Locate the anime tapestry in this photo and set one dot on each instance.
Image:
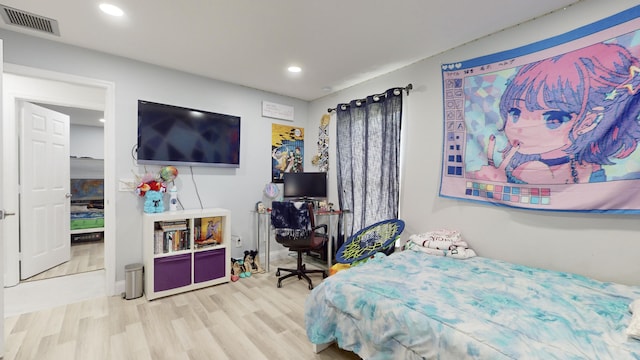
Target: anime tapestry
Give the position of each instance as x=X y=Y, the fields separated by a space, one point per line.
x=287 y=150
x=549 y=126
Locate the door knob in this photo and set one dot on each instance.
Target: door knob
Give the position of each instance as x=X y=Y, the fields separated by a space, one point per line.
x=67 y=195
x=4 y=213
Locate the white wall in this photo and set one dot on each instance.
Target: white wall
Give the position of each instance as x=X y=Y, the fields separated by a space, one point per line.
x=87 y=141
x=605 y=247
x=234 y=189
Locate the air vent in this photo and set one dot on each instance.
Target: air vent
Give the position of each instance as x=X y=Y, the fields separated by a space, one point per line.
x=27 y=20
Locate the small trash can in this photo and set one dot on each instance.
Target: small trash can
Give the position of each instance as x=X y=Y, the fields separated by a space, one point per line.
x=133 y=281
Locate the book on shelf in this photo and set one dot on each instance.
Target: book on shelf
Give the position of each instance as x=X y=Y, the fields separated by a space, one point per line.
x=158 y=241
x=173 y=225
x=175 y=240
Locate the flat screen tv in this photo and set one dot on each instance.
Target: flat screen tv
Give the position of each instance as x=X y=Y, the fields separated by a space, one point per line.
x=305 y=185
x=173 y=135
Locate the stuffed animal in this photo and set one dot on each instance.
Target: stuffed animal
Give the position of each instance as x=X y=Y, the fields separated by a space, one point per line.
x=153 y=202
x=244 y=269
x=236 y=270
x=251 y=262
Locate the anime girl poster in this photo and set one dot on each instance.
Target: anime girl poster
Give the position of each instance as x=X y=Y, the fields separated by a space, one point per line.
x=552 y=129
x=287 y=150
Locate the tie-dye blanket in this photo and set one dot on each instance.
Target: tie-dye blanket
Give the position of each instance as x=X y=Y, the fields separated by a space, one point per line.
x=412 y=305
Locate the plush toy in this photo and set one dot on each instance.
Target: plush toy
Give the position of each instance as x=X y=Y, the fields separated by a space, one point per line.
x=235 y=270
x=151 y=185
x=153 y=202
x=244 y=270
x=251 y=262
x=338 y=267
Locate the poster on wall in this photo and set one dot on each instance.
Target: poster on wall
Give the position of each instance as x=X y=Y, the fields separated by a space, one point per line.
x=287 y=150
x=553 y=125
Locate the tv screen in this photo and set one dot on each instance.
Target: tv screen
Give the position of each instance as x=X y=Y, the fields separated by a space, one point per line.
x=173 y=135
x=305 y=185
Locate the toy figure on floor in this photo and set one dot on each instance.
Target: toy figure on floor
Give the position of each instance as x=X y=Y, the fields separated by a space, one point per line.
x=251 y=262
x=239 y=269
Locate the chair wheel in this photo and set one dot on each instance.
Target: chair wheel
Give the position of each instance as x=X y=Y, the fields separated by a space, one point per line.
x=310 y=287
x=324 y=275
x=278 y=273
x=279 y=285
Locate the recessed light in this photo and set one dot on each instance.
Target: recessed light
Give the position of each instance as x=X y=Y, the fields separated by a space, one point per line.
x=101 y=120
x=111 y=9
x=294 y=69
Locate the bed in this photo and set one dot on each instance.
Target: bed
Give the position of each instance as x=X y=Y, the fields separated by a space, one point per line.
x=412 y=305
x=87 y=209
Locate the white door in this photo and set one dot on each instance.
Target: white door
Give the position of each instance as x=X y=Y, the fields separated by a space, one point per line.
x=44 y=189
x=2 y=204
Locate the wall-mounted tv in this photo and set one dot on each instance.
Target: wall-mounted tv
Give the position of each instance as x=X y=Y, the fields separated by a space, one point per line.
x=305 y=185
x=173 y=135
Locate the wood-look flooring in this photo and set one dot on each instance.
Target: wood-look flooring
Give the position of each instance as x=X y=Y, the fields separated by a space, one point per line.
x=247 y=319
x=85 y=256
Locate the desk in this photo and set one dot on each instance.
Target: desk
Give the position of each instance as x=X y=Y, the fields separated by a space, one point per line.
x=263 y=226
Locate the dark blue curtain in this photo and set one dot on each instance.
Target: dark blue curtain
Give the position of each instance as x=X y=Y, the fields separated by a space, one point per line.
x=368 y=153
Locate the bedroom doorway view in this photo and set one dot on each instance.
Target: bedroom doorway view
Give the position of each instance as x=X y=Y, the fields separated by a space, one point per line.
x=92 y=272
x=86 y=172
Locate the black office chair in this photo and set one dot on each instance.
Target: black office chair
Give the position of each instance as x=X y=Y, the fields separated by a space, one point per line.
x=295 y=228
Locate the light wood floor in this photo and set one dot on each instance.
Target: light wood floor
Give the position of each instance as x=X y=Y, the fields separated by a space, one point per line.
x=85 y=256
x=246 y=320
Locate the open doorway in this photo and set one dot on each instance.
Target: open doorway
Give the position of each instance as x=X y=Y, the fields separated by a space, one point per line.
x=86 y=164
x=41 y=86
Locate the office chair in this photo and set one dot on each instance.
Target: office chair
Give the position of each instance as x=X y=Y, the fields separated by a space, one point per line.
x=295 y=228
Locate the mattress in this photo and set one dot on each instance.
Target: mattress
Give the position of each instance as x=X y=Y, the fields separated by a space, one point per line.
x=412 y=305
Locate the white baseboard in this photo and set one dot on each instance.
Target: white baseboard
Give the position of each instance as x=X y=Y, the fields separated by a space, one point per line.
x=120 y=287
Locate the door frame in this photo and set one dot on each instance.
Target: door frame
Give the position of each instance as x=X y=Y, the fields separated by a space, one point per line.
x=10 y=146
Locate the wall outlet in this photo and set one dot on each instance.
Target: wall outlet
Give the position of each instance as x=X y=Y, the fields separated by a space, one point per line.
x=238 y=241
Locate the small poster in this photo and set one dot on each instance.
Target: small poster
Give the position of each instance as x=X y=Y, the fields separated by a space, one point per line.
x=287 y=151
x=211 y=230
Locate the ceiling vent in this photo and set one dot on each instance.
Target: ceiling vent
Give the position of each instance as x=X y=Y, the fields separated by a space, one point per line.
x=27 y=20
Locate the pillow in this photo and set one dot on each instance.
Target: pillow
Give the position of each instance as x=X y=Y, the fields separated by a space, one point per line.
x=78 y=208
x=633 y=330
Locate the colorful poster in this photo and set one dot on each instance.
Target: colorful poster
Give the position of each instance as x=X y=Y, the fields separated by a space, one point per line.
x=553 y=125
x=211 y=230
x=287 y=150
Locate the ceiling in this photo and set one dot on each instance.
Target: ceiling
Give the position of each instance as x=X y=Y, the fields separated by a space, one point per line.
x=336 y=43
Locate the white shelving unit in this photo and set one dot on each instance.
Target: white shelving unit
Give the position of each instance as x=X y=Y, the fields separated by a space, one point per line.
x=185 y=250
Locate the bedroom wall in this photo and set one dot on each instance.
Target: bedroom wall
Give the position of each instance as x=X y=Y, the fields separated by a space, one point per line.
x=605 y=247
x=234 y=189
x=87 y=141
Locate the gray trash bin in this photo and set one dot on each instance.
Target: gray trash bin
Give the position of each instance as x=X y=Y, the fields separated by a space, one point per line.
x=133 y=281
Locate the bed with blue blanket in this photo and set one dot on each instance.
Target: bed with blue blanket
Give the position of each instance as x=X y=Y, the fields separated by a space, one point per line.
x=412 y=305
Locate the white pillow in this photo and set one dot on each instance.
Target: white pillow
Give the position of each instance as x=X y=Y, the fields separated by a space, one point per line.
x=633 y=330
